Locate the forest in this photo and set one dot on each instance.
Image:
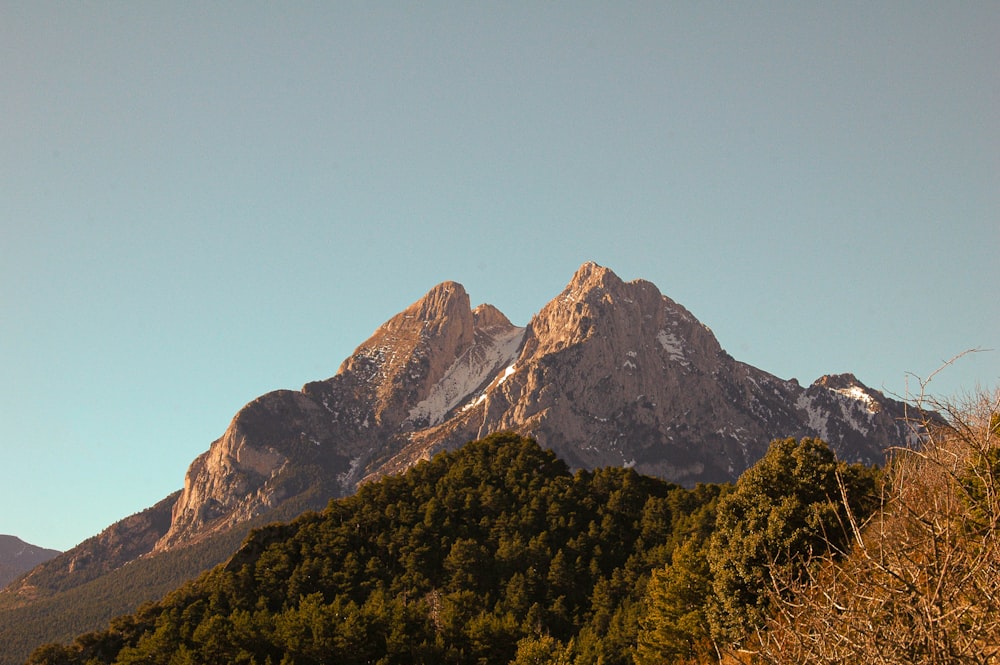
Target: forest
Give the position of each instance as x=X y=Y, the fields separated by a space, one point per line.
x=498 y=553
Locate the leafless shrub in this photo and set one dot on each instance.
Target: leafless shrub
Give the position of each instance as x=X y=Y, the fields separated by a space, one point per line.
x=921 y=580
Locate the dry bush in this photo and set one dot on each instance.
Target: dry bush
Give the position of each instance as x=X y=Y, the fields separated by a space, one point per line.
x=921 y=580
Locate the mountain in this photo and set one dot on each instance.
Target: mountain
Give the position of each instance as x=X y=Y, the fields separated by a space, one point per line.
x=18 y=557
x=609 y=373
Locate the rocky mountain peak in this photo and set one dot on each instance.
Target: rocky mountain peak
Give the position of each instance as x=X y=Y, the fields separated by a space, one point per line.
x=847 y=388
x=413 y=370
x=436 y=309
x=442 y=319
x=838 y=381
x=595 y=283
x=614 y=372
x=488 y=317
x=590 y=276
x=408 y=354
x=630 y=317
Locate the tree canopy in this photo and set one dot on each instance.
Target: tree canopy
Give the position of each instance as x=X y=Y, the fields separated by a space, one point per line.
x=785 y=508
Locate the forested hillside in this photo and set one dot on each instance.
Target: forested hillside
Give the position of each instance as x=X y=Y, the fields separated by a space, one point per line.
x=60 y=606
x=62 y=614
x=495 y=553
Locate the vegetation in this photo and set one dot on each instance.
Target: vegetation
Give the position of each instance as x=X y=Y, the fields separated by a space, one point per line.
x=497 y=554
x=489 y=554
x=713 y=595
x=62 y=606
x=67 y=613
x=921 y=583
x=912 y=578
x=785 y=508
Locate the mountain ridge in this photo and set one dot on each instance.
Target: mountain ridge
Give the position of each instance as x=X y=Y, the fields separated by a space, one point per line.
x=553 y=393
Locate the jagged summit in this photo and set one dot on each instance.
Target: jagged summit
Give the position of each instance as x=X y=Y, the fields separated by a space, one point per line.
x=591 y=275
x=614 y=372
x=597 y=303
x=487 y=317
x=413 y=370
x=839 y=381
x=599 y=286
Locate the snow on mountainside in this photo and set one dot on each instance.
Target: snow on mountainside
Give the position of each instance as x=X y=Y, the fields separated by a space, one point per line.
x=475 y=367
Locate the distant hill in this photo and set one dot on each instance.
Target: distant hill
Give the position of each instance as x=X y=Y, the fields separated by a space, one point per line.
x=18 y=557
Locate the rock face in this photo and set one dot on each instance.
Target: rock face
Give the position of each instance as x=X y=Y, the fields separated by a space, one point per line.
x=607 y=373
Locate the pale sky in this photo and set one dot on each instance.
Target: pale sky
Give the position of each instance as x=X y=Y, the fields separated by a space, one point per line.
x=202 y=202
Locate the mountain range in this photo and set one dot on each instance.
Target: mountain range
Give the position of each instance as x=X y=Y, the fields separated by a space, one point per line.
x=17 y=557
x=608 y=373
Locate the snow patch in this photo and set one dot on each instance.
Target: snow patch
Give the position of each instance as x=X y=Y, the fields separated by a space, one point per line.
x=507 y=372
x=468 y=372
x=673 y=346
x=474 y=403
x=858 y=394
x=347 y=478
x=819 y=420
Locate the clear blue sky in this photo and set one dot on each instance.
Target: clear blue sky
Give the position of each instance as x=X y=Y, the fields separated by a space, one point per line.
x=202 y=202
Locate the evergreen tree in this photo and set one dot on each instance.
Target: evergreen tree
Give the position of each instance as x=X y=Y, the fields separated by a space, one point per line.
x=783 y=510
x=674 y=625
